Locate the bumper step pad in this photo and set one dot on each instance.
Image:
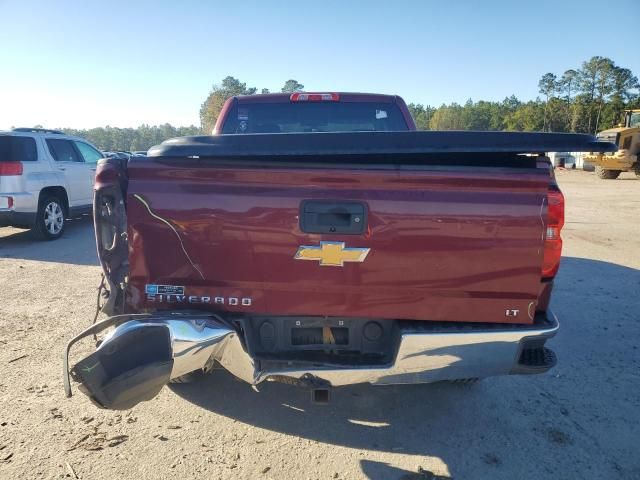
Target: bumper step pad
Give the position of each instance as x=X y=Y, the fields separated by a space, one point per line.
x=537 y=360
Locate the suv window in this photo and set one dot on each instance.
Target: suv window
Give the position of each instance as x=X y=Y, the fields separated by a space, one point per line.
x=90 y=154
x=17 y=149
x=314 y=117
x=63 y=151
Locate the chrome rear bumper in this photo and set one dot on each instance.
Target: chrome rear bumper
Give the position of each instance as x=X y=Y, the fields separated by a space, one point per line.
x=120 y=374
x=429 y=355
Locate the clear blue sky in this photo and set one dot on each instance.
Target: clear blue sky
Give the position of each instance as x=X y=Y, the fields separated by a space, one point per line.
x=123 y=63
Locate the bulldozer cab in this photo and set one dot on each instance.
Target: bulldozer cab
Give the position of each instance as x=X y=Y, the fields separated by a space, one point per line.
x=631 y=118
x=627 y=159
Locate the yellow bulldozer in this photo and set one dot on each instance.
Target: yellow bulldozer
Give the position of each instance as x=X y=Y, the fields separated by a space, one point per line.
x=627 y=159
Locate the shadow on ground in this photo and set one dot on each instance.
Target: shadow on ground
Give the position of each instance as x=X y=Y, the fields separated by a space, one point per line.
x=477 y=431
x=76 y=246
x=383 y=471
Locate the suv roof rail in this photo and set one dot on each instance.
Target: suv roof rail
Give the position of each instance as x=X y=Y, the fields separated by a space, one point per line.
x=37 y=130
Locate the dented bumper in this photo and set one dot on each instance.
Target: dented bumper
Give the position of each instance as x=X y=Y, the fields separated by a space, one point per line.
x=145 y=352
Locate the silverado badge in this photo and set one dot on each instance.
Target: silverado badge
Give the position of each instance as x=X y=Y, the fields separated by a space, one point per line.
x=332 y=254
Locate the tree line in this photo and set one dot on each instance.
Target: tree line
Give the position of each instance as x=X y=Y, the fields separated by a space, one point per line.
x=587 y=99
x=132 y=139
x=145 y=136
x=584 y=100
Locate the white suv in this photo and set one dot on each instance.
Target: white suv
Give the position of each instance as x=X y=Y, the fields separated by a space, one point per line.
x=45 y=177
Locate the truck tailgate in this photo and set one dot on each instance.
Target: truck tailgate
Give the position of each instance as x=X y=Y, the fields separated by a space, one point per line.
x=446 y=243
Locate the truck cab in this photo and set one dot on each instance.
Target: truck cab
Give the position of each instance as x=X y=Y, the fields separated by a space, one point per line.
x=313 y=112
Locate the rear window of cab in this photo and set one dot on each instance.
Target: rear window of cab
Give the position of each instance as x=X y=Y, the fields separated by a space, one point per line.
x=298 y=117
x=14 y=148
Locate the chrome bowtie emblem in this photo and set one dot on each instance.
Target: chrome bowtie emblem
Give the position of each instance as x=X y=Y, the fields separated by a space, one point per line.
x=331 y=254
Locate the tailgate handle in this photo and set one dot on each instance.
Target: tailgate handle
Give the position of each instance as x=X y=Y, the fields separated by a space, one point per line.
x=324 y=216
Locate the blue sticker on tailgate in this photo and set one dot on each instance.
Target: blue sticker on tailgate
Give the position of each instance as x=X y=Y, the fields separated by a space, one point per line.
x=152 y=289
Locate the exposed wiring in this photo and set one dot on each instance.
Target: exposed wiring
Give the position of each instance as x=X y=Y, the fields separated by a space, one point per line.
x=101 y=288
x=166 y=222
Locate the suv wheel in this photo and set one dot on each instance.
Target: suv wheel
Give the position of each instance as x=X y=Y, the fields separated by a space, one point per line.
x=50 y=220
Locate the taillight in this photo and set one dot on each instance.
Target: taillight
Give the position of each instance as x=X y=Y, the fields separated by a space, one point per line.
x=10 y=168
x=314 y=97
x=552 y=239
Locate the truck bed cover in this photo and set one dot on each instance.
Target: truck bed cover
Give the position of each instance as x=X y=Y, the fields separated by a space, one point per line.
x=376 y=143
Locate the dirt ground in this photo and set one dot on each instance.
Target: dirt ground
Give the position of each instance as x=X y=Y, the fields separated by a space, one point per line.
x=581 y=420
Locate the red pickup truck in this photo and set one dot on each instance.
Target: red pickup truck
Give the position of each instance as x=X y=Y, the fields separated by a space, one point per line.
x=316 y=239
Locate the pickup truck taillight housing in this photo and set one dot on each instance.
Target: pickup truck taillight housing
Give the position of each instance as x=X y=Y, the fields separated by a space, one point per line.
x=552 y=239
x=110 y=223
x=10 y=169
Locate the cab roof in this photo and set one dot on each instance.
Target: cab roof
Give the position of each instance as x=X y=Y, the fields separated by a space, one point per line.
x=343 y=97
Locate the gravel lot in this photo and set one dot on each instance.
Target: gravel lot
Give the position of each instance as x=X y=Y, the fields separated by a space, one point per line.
x=581 y=420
